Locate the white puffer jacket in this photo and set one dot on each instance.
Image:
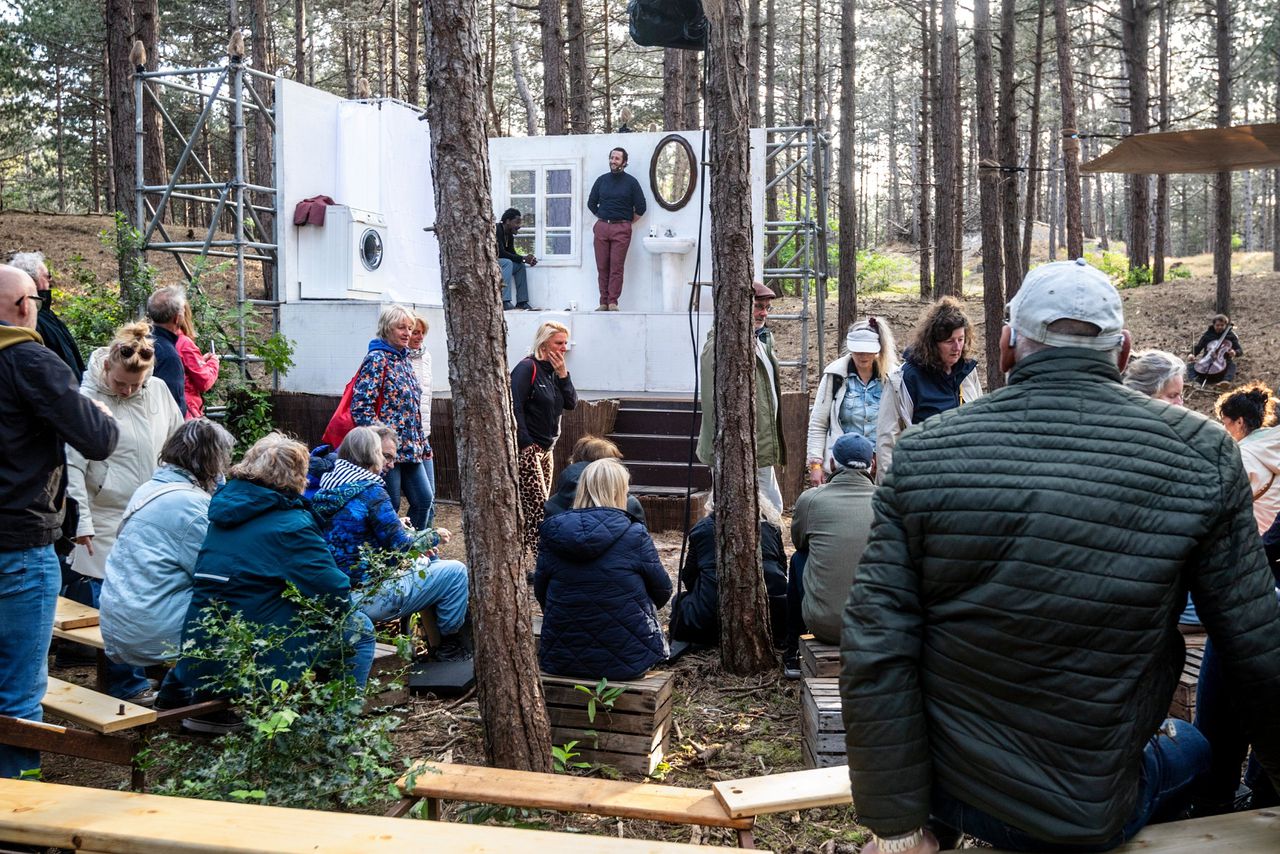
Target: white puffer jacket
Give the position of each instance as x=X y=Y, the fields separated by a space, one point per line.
x=103 y=489
x=1260 y=453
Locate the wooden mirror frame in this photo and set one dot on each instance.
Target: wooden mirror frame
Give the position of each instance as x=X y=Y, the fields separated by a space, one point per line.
x=693 y=172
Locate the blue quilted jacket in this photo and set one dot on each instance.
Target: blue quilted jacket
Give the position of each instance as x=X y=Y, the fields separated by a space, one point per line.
x=600 y=583
x=354 y=510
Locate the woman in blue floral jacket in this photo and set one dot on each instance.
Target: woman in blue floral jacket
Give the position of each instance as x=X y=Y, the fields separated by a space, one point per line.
x=387 y=392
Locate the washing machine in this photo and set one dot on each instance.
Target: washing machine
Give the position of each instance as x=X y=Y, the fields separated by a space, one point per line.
x=345 y=258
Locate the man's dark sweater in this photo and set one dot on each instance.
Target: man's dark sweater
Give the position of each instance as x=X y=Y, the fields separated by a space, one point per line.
x=169 y=365
x=507 y=245
x=616 y=196
x=60 y=340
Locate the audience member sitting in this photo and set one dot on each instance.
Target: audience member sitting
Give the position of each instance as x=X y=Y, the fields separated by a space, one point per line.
x=355 y=511
x=1249 y=415
x=695 y=613
x=263 y=540
x=319 y=464
x=829 y=530
x=1221 y=347
x=149 y=572
x=586 y=450
x=1157 y=374
x=600 y=582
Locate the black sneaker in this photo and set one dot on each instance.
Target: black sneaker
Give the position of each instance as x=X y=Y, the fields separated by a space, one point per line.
x=791 y=665
x=524 y=306
x=451 y=648
x=216 y=723
x=506 y=306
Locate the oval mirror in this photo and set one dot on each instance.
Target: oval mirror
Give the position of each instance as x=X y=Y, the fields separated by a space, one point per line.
x=673 y=172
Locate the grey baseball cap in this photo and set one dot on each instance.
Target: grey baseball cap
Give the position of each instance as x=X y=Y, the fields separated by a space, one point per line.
x=1068 y=290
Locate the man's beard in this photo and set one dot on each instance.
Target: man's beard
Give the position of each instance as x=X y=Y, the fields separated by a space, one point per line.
x=46 y=299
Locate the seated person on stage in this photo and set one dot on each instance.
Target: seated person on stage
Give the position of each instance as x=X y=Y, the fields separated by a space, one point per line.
x=149 y=572
x=829 y=530
x=599 y=582
x=355 y=510
x=586 y=450
x=262 y=539
x=695 y=613
x=513 y=265
x=1214 y=359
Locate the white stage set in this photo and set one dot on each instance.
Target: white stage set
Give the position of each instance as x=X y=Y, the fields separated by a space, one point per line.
x=373 y=159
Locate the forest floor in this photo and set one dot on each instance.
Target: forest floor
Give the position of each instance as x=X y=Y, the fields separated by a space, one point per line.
x=726 y=727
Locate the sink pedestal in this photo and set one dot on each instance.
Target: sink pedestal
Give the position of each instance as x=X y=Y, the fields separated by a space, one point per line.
x=672 y=293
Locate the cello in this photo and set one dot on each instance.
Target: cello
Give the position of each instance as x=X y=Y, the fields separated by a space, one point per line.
x=1214 y=360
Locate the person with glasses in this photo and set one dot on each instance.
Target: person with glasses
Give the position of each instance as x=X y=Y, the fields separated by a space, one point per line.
x=57 y=337
x=40 y=411
x=355 y=511
x=1157 y=374
x=119 y=376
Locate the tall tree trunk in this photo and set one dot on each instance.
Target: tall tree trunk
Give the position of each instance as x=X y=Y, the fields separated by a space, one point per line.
x=579 y=83
x=95 y=161
x=263 y=168
x=928 y=15
x=1135 y=29
x=1055 y=190
x=395 y=48
x=770 y=115
x=989 y=191
x=1161 y=242
x=119 y=24
x=555 y=112
x=947 y=120
x=753 y=62
x=57 y=138
x=146 y=22
x=744 y=617
x=1222 y=182
x=1009 y=152
x=1070 y=135
x=1275 y=175
x=672 y=89
x=299 y=40
x=1033 y=152
x=607 y=67
x=818 y=90
x=516 y=731
x=413 y=69
x=847 y=275
x=692 y=70
x=894 y=214
x=517 y=73
x=348 y=62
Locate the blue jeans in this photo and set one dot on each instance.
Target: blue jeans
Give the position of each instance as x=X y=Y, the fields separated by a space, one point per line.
x=1169 y=766
x=122 y=680
x=1221 y=719
x=29 y=580
x=514 y=272
x=412 y=479
x=358 y=632
x=795 y=598
x=442 y=583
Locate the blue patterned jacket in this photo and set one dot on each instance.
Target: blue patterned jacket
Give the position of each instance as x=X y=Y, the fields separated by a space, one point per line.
x=387 y=391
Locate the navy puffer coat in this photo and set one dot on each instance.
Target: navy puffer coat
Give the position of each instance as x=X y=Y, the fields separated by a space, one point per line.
x=599 y=582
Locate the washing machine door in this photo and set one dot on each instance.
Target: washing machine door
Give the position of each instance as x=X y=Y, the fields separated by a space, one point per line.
x=370 y=247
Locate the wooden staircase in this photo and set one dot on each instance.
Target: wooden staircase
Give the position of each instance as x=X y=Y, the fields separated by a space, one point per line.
x=657 y=438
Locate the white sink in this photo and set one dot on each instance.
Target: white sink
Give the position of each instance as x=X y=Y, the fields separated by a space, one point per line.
x=668 y=245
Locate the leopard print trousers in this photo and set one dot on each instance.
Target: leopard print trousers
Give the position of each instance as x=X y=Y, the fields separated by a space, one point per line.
x=534 y=488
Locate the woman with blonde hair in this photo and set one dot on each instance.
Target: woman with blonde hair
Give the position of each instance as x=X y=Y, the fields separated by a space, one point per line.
x=200 y=370
x=120 y=377
x=586 y=450
x=600 y=584
x=387 y=392
x=263 y=541
x=541 y=391
x=936 y=374
x=849 y=393
x=420 y=359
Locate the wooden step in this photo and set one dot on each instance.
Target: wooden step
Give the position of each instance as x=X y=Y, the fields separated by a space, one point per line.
x=657 y=403
x=648 y=446
x=92 y=710
x=659 y=422
x=645 y=473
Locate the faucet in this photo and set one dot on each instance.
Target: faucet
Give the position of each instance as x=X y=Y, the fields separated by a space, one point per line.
x=669 y=233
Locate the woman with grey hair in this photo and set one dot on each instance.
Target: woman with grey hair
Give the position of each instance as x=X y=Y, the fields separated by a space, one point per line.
x=387 y=391
x=149 y=571
x=57 y=337
x=1157 y=374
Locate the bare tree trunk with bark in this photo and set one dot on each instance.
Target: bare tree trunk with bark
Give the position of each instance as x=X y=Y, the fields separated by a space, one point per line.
x=744 y=619
x=413 y=69
x=579 y=83
x=672 y=89
x=516 y=730
x=555 y=111
x=517 y=73
x=146 y=22
x=120 y=104
x=691 y=68
x=299 y=40
x=989 y=190
x=1033 y=153
x=1275 y=175
x=847 y=275
x=262 y=168
x=947 y=159
x=1070 y=135
x=1161 y=242
x=1008 y=146
x=1135 y=29
x=927 y=16
x=753 y=62
x=1222 y=181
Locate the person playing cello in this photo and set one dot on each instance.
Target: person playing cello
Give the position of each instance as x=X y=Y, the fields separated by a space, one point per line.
x=1214 y=359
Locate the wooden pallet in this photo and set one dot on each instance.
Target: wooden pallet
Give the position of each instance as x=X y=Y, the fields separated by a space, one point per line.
x=818 y=660
x=633 y=736
x=1184 y=696
x=821 y=726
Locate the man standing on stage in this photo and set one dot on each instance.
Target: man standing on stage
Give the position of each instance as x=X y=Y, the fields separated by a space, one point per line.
x=617 y=201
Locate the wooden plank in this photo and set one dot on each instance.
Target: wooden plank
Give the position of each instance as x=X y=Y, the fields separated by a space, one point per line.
x=90 y=709
x=51 y=738
x=794 y=790
x=642 y=695
x=73 y=615
x=818 y=660
x=130 y=823
x=86 y=635
x=616 y=741
x=618 y=798
x=635 y=723
x=1253 y=832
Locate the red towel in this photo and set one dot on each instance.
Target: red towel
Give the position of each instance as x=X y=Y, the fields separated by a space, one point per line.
x=311 y=211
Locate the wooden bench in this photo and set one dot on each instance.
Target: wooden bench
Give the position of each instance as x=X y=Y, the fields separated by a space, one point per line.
x=1184 y=696
x=73 y=615
x=92 y=710
x=821 y=724
x=792 y=790
x=437 y=781
x=818 y=660
x=1253 y=832
x=111 y=822
x=632 y=736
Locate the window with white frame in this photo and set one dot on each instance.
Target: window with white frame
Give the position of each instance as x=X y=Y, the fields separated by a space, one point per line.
x=547 y=196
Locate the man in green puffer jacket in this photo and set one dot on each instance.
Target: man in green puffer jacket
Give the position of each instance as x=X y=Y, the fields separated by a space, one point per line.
x=1010 y=643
